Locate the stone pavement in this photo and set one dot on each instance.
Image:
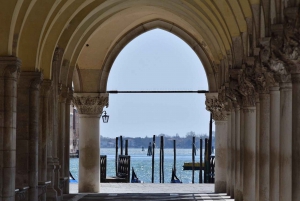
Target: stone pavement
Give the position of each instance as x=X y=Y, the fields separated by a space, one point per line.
x=148 y=191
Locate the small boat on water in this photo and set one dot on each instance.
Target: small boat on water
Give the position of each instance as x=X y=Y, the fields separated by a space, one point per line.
x=174 y=178
x=134 y=178
x=189 y=166
x=71 y=178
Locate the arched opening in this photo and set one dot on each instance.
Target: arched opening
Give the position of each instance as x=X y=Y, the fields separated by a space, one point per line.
x=156 y=60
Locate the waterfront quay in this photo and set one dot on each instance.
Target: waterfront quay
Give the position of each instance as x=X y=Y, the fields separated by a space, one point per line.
x=148 y=191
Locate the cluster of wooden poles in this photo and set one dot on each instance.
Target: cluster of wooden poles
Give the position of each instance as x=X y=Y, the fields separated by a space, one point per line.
x=207 y=165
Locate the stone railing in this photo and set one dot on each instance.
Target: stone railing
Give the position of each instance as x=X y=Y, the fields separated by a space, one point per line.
x=21 y=193
x=42 y=186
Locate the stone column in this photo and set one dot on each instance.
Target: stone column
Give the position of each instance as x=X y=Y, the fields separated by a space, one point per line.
x=295 y=136
x=242 y=134
x=285 y=184
x=51 y=192
x=232 y=161
x=9 y=72
x=249 y=153
x=43 y=132
x=264 y=147
x=67 y=140
x=228 y=139
x=238 y=189
x=257 y=148
x=274 y=142
x=28 y=132
x=90 y=106
x=218 y=113
x=61 y=128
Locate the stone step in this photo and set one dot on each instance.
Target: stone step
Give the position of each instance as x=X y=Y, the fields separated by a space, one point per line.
x=147 y=196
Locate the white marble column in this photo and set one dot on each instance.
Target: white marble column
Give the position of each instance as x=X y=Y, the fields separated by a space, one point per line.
x=295 y=136
x=218 y=114
x=264 y=148
x=285 y=184
x=90 y=106
x=238 y=189
x=228 y=138
x=232 y=161
x=249 y=153
x=28 y=132
x=274 y=142
x=9 y=71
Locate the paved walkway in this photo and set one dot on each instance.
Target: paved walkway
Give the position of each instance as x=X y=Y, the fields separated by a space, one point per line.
x=148 y=191
x=149 y=188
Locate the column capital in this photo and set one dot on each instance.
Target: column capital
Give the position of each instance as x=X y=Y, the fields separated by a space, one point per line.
x=70 y=96
x=45 y=87
x=90 y=103
x=30 y=79
x=63 y=93
x=10 y=67
x=216 y=107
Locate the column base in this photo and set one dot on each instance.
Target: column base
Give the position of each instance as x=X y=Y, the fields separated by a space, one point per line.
x=51 y=194
x=220 y=186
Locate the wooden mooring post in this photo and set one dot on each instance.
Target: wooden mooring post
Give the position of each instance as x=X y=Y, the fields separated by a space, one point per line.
x=121 y=144
x=161 y=161
x=193 y=160
x=126 y=147
x=116 y=159
x=174 y=150
x=201 y=162
x=153 y=151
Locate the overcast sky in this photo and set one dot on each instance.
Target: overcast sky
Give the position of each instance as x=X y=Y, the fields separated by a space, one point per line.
x=156 y=60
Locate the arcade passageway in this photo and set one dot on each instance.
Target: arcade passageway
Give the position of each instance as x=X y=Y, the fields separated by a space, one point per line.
x=249 y=50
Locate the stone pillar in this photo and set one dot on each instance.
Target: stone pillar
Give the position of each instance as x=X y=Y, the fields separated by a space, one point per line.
x=228 y=139
x=51 y=192
x=28 y=132
x=9 y=72
x=90 y=106
x=67 y=140
x=257 y=148
x=249 y=153
x=43 y=132
x=61 y=128
x=232 y=161
x=238 y=189
x=285 y=184
x=218 y=113
x=242 y=134
x=264 y=148
x=220 y=156
x=274 y=142
x=295 y=136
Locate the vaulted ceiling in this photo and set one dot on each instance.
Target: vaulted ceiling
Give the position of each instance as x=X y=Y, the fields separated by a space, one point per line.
x=92 y=33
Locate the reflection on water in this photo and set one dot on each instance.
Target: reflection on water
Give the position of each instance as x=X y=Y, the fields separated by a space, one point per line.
x=142 y=164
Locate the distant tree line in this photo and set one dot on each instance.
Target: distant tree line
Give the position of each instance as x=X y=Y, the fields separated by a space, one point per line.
x=139 y=142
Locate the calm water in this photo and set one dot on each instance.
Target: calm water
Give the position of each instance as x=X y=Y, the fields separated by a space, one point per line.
x=142 y=164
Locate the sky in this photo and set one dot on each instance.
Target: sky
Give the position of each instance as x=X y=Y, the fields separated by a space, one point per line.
x=156 y=60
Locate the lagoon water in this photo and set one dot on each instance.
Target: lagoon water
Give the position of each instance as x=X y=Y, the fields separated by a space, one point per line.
x=142 y=164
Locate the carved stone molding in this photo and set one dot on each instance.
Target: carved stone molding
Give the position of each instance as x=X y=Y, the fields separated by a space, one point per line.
x=70 y=96
x=247 y=91
x=90 y=103
x=63 y=93
x=30 y=79
x=215 y=106
x=10 y=67
x=45 y=88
